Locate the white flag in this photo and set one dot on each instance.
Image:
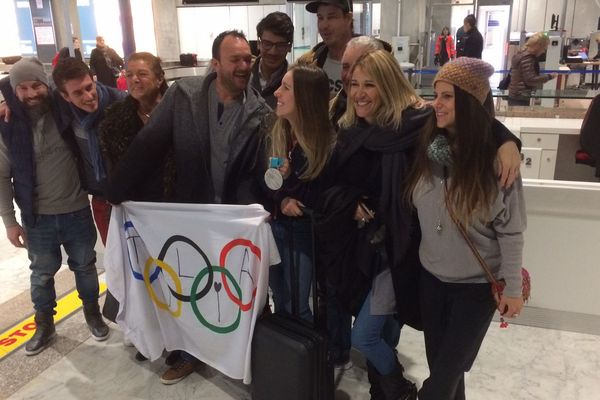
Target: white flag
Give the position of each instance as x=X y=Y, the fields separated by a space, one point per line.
x=191 y=277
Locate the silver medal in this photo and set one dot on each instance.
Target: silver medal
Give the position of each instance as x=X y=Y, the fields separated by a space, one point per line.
x=273 y=179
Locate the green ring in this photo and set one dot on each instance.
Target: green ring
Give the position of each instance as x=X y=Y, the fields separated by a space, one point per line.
x=203 y=321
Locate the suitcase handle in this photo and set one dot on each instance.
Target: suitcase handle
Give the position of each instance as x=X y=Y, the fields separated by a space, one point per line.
x=295 y=274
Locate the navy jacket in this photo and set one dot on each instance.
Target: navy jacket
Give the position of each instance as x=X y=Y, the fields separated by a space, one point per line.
x=17 y=135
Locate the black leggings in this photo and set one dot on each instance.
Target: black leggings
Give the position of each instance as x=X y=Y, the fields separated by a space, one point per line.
x=456 y=317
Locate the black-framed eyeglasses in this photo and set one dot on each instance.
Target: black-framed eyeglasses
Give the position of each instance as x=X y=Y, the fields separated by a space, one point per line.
x=279 y=46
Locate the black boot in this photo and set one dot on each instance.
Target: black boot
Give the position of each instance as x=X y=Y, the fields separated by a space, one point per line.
x=375 y=381
x=94 y=320
x=396 y=387
x=44 y=333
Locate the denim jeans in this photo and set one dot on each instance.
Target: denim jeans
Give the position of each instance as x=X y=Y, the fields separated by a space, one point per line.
x=279 y=275
x=77 y=234
x=376 y=336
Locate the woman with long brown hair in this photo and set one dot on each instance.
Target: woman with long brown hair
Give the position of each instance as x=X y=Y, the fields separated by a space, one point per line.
x=303 y=139
x=454 y=186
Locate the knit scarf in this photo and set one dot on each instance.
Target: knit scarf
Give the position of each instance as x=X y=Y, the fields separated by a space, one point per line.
x=439 y=151
x=90 y=122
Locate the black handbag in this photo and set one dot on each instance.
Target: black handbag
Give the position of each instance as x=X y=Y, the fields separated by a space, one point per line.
x=504 y=83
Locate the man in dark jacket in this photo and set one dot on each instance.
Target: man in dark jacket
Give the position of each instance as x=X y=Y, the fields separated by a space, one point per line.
x=470 y=43
x=105 y=63
x=334 y=21
x=212 y=123
x=275 y=34
x=38 y=166
x=86 y=102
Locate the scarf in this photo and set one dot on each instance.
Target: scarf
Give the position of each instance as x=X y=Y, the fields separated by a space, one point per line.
x=90 y=122
x=439 y=151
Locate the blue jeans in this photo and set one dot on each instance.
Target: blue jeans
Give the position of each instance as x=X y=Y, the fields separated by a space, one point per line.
x=77 y=234
x=279 y=275
x=376 y=336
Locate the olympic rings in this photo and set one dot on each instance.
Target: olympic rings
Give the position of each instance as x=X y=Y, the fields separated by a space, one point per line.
x=217 y=329
x=223 y=257
x=177 y=293
x=167 y=268
x=136 y=275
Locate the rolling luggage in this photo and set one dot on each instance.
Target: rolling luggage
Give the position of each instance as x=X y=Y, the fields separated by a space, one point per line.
x=289 y=355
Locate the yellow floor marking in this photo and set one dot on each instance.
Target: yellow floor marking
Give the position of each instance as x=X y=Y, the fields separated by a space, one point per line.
x=15 y=337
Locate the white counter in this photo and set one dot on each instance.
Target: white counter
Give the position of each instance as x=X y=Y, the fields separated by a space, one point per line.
x=562 y=245
x=562 y=126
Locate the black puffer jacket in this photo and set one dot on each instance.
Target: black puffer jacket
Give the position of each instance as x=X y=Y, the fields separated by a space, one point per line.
x=525 y=75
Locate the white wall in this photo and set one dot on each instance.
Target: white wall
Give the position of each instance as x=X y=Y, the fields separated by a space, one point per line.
x=581 y=17
x=9 y=45
x=198 y=26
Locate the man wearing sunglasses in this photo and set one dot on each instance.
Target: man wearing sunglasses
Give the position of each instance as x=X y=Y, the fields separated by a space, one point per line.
x=275 y=34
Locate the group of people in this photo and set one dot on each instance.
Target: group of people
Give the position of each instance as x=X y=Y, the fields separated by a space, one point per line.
x=469 y=42
x=390 y=180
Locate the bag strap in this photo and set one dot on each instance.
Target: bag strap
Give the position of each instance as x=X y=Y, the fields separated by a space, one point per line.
x=490 y=277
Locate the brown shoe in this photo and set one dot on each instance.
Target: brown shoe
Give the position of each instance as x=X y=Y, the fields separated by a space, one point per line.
x=177 y=372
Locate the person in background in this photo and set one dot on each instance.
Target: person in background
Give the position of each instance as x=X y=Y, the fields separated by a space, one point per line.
x=597 y=56
x=334 y=21
x=216 y=148
x=275 y=34
x=105 y=63
x=471 y=41
x=589 y=136
x=39 y=169
x=525 y=70
x=455 y=174
x=444 y=48
x=65 y=52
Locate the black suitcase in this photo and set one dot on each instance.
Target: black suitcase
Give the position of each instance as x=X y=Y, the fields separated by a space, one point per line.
x=289 y=355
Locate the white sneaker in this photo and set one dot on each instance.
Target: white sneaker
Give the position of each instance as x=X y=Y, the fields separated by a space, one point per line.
x=344 y=366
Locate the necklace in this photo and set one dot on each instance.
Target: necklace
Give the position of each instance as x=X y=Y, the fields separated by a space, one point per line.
x=143 y=114
x=439 y=227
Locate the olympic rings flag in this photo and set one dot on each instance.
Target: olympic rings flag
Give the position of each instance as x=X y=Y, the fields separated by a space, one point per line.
x=192 y=277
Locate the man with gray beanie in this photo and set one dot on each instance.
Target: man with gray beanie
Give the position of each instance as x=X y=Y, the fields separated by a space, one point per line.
x=40 y=170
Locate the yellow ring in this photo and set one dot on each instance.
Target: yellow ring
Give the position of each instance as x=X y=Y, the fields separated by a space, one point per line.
x=166 y=268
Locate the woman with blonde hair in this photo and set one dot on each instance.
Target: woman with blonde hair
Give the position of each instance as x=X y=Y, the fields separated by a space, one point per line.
x=368 y=237
x=300 y=144
x=525 y=70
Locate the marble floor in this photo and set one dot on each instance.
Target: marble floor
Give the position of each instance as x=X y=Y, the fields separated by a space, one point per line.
x=520 y=362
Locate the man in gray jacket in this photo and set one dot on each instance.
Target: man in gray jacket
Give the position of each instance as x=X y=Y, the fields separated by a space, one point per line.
x=213 y=125
x=38 y=168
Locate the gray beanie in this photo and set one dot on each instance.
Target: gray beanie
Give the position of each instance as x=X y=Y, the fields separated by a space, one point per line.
x=27 y=69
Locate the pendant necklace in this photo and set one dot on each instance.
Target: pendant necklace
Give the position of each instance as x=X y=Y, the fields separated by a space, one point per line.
x=439 y=227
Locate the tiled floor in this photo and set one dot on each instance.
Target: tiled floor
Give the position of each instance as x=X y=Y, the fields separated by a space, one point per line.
x=515 y=363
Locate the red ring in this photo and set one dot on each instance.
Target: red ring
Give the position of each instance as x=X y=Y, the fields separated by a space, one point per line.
x=226 y=249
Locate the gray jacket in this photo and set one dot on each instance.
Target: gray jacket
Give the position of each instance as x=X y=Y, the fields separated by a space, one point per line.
x=180 y=122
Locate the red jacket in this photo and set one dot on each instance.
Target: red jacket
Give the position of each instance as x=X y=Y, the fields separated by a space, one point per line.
x=449 y=46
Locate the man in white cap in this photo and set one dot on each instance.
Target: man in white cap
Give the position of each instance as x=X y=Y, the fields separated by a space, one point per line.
x=39 y=168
